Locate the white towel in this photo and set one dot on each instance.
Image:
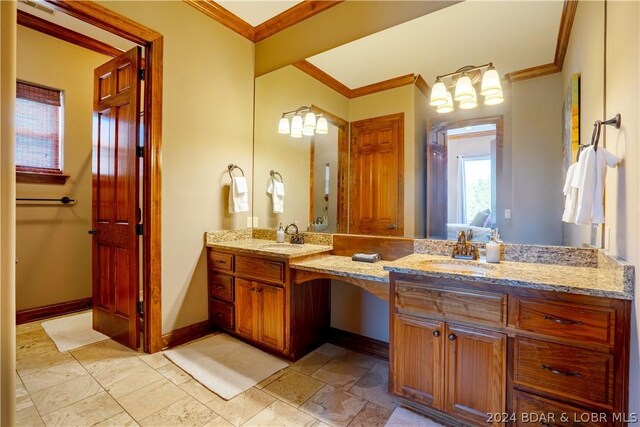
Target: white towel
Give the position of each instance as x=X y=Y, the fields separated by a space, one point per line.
x=571 y=195
x=586 y=184
x=276 y=190
x=238 y=195
x=603 y=159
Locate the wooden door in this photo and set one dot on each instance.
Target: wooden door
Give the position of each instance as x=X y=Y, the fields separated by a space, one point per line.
x=115 y=255
x=376 y=176
x=475 y=373
x=271 y=308
x=416 y=360
x=245 y=308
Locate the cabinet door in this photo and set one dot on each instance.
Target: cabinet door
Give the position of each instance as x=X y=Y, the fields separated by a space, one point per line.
x=271 y=315
x=475 y=372
x=416 y=366
x=245 y=309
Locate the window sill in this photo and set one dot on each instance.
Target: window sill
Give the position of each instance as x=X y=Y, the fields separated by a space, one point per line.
x=23 y=177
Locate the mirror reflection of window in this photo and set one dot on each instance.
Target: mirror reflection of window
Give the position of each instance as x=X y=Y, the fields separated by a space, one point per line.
x=324 y=189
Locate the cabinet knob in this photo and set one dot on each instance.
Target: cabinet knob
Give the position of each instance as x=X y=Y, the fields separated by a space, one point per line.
x=93 y=231
x=451 y=337
x=436 y=333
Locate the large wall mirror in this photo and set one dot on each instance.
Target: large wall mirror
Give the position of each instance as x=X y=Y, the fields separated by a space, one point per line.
x=491 y=166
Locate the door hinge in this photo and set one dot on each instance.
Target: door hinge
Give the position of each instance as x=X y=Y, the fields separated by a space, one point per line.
x=140 y=151
x=140 y=308
x=141 y=74
x=139 y=229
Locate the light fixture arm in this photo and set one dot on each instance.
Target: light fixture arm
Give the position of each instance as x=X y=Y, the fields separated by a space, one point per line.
x=465 y=69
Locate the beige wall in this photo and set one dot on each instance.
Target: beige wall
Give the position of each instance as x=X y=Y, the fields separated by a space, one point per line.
x=622 y=196
x=53 y=247
x=207 y=124
x=585 y=55
x=284 y=90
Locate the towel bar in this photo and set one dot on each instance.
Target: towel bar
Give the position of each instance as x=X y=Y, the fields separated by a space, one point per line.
x=274 y=173
x=231 y=167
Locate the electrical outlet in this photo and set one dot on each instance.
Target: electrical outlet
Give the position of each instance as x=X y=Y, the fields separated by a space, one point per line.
x=607 y=238
x=249 y=222
x=255 y=222
x=507 y=214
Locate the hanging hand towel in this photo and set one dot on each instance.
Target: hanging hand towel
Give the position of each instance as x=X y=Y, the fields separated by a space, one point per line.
x=276 y=189
x=571 y=195
x=238 y=195
x=603 y=159
x=586 y=184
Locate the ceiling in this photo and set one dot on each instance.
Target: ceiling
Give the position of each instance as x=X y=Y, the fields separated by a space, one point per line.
x=255 y=12
x=512 y=34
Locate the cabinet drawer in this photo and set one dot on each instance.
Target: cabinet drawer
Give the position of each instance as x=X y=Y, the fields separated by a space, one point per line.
x=567 y=320
x=532 y=410
x=220 y=261
x=431 y=299
x=221 y=287
x=221 y=314
x=260 y=269
x=581 y=375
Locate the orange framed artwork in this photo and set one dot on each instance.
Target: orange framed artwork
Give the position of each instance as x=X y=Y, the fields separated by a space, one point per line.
x=571 y=120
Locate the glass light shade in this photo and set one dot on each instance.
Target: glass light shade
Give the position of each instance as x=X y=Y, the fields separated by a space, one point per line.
x=296 y=125
x=438 y=94
x=470 y=103
x=322 y=126
x=308 y=131
x=494 y=99
x=490 y=83
x=448 y=107
x=464 y=89
x=283 y=126
x=310 y=121
x=296 y=133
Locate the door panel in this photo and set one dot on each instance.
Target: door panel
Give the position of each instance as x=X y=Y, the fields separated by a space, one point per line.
x=376 y=183
x=244 y=307
x=272 y=312
x=475 y=372
x=115 y=167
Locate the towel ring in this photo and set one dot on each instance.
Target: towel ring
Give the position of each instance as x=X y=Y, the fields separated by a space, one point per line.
x=231 y=167
x=274 y=174
x=597 y=125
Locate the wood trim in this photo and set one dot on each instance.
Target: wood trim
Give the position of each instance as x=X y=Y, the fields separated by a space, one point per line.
x=292 y=16
x=358 y=343
x=38 y=24
x=383 y=85
x=389 y=248
x=104 y=18
x=185 y=334
x=52 y=310
x=323 y=77
x=223 y=16
x=533 y=72
x=377 y=288
x=24 y=177
x=423 y=85
x=564 y=33
x=478 y=134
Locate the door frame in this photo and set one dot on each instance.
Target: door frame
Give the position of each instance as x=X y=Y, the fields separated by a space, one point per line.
x=152 y=42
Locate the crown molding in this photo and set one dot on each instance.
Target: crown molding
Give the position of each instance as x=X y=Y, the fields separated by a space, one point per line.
x=292 y=16
x=220 y=14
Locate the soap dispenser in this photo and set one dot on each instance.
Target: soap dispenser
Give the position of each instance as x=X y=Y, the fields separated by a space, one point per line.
x=494 y=247
x=280 y=234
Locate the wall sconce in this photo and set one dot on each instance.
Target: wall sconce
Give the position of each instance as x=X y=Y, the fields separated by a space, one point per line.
x=462 y=81
x=304 y=122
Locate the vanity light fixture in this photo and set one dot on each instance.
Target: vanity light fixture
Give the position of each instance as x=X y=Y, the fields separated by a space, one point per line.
x=462 y=82
x=304 y=122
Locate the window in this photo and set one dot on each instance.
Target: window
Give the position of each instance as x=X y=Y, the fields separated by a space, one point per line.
x=477 y=186
x=38 y=130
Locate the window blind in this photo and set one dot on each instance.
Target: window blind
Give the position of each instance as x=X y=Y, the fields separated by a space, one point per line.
x=38 y=111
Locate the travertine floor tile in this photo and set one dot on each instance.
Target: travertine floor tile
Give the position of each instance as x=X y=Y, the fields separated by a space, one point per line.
x=281 y=414
x=265 y=382
x=381 y=367
x=120 y=420
x=242 y=407
x=330 y=350
x=28 y=365
x=374 y=388
x=150 y=399
x=86 y=412
x=174 y=374
x=294 y=388
x=23 y=400
x=155 y=360
x=126 y=377
x=32 y=344
x=218 y=422
x=28 y=327
x=28 y=417
x=41 y=379
x=333 y=406
x=185 y=412
x=198 y=391
x=100 y=351
x=311 y=363
x=339 y=374
x=358 y=359
x=371 y=415
x=61 y=395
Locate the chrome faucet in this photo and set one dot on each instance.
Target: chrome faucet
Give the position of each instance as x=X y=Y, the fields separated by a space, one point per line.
x=296 y=237
x=463 y=249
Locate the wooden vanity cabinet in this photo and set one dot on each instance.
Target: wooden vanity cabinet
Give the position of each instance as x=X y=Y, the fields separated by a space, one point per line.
x=251 y=297
x=462 y=350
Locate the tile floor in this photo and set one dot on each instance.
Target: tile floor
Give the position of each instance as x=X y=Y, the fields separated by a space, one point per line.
x=107 y=384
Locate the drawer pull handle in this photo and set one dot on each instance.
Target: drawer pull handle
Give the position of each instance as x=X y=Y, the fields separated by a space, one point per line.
x=563 y=321
x=436 y=334
x=219 y=261
x=451 y=337
x=557 y=372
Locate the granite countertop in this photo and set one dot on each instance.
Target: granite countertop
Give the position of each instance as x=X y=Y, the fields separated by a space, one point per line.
x=611 y=282
x=345 y=267
x=270 y=248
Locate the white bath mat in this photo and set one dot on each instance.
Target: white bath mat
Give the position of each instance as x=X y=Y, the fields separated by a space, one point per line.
x=73 y=331
x=402 y=417
x=224 y=364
